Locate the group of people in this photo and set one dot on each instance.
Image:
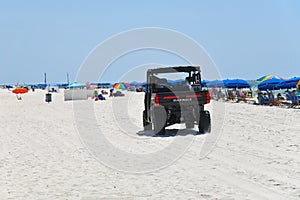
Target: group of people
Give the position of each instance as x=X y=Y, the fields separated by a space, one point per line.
x=267 y=98
x=230 y=95
x=99 y=96
x=290 y=98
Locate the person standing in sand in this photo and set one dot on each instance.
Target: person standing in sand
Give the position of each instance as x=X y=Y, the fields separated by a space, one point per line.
x=111 y=92
x=298 y=89
x=95 y=93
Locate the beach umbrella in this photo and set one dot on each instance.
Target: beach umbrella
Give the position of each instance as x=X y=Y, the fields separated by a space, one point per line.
x=174 y=82
x=63 y=85
x=55 y=85
x=20 y=91
x=204 y=83
x=122 y=85
x=137 y=84
x=236 y=83
x=76 y=85
x=268 y=77
x=215 y=84
x=9 y=86
x=126 y=84
x=271 y=84
x=42 y=85
x=288 y=84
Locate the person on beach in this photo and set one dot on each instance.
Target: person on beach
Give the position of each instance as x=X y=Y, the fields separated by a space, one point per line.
x=265 y=99
x=250 y=93
x=95 y=94
x=101 y=97
x=259 y=98
x=294 y=100
x=271 y=98
x=298 y=90
x=111 y=92
x=279 y=96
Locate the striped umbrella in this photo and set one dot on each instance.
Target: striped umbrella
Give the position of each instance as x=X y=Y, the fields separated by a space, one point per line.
x=268 y=77
x=122 y=85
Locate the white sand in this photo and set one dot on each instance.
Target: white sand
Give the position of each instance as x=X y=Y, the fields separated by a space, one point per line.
x=42 y=157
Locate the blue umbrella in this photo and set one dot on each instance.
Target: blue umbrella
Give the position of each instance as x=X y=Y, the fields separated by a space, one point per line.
x=204 y=83
x=41 y=85
x=9 y=86
x=174 y=82
x=138 y=84
x=270 y=84
x=215 y=84
x=288 y=84
x=63 y=85
x=77 y=85
x=55 y=85
x=236 y=83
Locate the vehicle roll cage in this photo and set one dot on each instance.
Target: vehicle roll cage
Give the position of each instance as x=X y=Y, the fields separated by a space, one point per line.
x=194 y=77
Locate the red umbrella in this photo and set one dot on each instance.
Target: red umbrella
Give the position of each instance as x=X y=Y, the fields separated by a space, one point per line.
x=20 y=91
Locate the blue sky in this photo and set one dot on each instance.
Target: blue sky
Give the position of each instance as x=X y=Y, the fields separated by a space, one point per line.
x=246 y=39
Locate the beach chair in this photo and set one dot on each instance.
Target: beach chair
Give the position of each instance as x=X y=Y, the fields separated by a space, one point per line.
x=264 y=100
x=288 y=100
x=295 y=102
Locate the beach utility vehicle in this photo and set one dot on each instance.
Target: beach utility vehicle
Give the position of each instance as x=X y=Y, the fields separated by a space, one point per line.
x=168 y=101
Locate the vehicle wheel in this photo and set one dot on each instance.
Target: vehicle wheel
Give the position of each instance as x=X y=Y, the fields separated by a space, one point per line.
x=204 y=123
x=147 y=126
x=159 y=121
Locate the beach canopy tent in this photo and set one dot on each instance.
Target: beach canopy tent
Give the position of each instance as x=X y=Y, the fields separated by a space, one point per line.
x=76 y=85
x=215 y=84
x=288 y=84
x=268 y=77
x=236 y=83
x=270 y=84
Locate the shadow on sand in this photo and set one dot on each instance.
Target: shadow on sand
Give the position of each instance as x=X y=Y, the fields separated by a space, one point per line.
x=170 y=133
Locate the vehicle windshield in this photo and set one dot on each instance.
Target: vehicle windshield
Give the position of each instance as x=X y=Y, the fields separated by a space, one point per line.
x=180 y=81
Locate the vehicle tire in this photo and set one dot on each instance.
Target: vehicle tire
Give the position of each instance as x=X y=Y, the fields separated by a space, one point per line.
x=147 y=125
x=204 y=122
x=159 y=120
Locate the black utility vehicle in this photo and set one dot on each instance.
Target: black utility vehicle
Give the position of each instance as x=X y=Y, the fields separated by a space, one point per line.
x=168 y=102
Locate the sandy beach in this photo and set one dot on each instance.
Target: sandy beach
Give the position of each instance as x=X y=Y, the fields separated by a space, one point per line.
x=42 y=156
